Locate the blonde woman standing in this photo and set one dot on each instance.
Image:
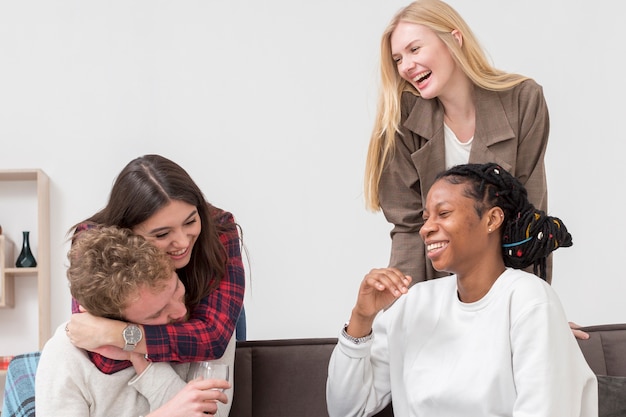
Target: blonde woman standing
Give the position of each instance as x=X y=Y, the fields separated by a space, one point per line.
x=442 y=104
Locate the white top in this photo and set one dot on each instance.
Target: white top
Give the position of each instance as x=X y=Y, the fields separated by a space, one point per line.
x=511 y=353
x=456 y=152
x=68 y=384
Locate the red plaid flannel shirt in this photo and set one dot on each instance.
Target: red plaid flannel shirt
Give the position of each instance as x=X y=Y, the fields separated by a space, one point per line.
x=211 y=324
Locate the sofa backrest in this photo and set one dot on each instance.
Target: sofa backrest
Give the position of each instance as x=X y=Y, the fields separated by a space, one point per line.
x=283 y=378
x=605 y=350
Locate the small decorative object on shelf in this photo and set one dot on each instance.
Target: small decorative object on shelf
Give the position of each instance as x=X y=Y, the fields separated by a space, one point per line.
x=26 y=258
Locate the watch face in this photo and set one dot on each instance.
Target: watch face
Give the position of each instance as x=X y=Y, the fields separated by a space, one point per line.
x=132 y=334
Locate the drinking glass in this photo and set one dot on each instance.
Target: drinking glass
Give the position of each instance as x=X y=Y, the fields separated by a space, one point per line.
x=208 y=370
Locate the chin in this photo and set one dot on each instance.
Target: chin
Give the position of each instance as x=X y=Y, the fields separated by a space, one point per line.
x=440 y=267
x=181 y=263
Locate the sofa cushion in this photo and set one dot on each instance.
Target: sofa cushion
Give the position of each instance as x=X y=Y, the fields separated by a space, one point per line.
x=612 y=396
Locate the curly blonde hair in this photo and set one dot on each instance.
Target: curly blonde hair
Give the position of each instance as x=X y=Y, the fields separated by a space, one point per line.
x=108 y=266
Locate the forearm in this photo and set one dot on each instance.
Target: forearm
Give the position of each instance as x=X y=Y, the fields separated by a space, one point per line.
x=359 y=325
x=350 y=389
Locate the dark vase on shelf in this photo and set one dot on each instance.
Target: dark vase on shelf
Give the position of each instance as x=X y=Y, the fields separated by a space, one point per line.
x=26 y=258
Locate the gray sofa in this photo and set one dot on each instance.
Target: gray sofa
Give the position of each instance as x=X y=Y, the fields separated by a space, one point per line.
x=287 y=378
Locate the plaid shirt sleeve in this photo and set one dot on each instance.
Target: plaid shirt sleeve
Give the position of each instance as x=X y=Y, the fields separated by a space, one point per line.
x=211 y=324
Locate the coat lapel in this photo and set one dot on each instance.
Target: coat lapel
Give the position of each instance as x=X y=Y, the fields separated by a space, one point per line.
x=429 y=160
x=492 y=127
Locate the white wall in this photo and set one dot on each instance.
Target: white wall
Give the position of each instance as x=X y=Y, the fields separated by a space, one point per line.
x=269 y=105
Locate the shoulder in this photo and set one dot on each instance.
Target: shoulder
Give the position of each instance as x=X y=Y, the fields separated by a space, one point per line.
x=58 y=349
x=527 y=290
x=526 y=92
x=221 y=217
x=60 y=341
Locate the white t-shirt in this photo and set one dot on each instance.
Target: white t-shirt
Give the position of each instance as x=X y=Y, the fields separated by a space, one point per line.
x=456 y=152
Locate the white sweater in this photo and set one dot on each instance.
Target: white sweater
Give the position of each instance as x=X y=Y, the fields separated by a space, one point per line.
x=68 y=384
x=511 y=353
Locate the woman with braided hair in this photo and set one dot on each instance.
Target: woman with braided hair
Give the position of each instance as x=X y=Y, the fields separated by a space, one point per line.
x=489 y=340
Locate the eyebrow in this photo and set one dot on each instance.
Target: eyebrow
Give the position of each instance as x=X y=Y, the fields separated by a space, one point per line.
x=405 y=48
x=160 y=229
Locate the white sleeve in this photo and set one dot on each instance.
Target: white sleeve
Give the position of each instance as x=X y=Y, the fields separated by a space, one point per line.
x=358 y=375
x=551 y=375
x=158 y=383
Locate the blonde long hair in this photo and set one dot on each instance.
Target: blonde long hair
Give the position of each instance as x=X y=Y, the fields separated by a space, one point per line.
x=442 y=19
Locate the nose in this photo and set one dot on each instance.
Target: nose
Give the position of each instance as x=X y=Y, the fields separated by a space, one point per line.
x=406 y=66
x=426 y=229
x=179 y=238
x=179 y=311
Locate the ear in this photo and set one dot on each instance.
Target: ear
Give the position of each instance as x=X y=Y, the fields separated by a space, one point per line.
x=457 y=36
x=495 y=218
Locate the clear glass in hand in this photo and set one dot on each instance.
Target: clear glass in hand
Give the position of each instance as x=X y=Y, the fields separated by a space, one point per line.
x=208 y=370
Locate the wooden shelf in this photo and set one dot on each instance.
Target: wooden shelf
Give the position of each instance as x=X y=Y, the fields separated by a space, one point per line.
x=7 y=286
x=8 y=271
x=21 y=271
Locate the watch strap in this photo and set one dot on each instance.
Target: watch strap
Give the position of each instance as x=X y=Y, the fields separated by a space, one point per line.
x=355 y=340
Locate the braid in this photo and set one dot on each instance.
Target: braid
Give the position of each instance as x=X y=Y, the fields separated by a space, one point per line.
x=529 y=235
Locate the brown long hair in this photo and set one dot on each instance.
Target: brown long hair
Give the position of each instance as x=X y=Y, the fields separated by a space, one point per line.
x=143 y=187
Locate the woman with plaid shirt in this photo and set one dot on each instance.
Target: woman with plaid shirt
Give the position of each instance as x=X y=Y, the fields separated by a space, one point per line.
x=157 y=199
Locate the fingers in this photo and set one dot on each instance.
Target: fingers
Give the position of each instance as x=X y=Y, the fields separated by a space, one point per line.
x=388 y=279
x=211 y=389
x=578 y=334
x=379 y=289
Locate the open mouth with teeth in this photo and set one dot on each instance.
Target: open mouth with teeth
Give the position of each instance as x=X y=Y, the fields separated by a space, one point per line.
x=434 y=246
x=423 y=76
x=178 y=253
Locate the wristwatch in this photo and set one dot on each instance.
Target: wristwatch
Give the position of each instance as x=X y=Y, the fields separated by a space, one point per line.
x=132 y=336
x=355 y=340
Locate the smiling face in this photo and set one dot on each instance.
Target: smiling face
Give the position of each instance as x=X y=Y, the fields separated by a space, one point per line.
x=456 y=237
x=423 y=59
x=161 y=305
x=174 y=229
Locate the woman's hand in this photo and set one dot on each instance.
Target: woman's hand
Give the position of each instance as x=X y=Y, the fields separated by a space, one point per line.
x=198 y=398
x=578 y=334
x=379 y=289
x=97 y=334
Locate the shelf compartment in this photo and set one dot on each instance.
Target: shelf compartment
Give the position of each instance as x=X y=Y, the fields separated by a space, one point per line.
x=7 y=285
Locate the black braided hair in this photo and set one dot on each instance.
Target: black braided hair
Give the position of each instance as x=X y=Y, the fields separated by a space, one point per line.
x=529 y=235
